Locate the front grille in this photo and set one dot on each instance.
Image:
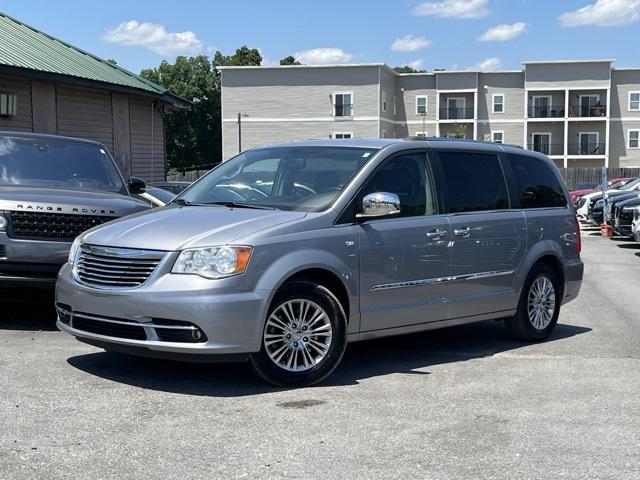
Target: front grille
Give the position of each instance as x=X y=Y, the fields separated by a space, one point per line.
x=51 y=226
x=115 y=268
x=131 y=332
x=165 y=330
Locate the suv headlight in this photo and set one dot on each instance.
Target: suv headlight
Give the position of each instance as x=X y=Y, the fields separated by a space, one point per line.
x=599 y=204
x=3 y=222
x=75 y=246
x=213 y=262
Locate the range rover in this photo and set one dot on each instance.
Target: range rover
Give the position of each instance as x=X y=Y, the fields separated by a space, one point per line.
x=284 y=254
x=52 y=189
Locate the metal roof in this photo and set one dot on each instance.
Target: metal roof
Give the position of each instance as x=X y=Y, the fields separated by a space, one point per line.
x=25 y=47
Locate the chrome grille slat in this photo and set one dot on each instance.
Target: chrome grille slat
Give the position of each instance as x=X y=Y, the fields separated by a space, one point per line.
x=115 y=268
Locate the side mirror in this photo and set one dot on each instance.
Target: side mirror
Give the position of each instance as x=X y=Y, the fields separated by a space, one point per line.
x=136 y=185
x=379 y=204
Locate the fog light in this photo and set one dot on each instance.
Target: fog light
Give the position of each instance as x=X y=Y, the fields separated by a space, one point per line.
x=196 y=334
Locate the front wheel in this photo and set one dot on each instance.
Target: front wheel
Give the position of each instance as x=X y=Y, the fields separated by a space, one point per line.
x=539 y=306
x=304 y=336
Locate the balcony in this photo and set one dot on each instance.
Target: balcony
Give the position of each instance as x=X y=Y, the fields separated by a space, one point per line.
x=547 y=148
x=549 y=111
x=587 y=148
x=343 y=110
x=456 y=113
x=591 y=111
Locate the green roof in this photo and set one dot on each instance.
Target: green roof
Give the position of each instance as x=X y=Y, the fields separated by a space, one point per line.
x=24 y=47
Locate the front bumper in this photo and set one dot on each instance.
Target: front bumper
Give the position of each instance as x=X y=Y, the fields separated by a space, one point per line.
x=30 y=263
x=231 y=320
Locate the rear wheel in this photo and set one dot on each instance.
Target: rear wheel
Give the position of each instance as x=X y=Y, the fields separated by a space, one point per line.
x=304 y=336
x=539 y=306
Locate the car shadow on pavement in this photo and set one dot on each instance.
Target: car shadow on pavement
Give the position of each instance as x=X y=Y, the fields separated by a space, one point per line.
x=27 y=310
x=630 y=246
x=409 y=354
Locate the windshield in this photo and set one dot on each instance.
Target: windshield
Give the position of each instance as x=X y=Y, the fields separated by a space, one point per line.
x=286 y=178
x=630 y=185
x=54 y=163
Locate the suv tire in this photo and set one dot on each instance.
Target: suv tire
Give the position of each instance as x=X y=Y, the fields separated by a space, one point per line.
x=534 y=321
x=304 y=336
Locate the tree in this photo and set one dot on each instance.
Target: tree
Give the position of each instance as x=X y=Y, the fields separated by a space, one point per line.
x=193 y=136
x=290 y=60
x=407 y=69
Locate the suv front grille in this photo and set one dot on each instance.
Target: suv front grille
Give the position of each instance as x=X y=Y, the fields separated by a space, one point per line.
x=115 y=268
x=51 y=226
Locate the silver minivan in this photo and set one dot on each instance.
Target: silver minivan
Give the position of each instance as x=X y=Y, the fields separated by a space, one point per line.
x=284 y=254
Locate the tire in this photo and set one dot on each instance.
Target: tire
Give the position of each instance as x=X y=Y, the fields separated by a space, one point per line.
x=308 y=355
x=536 y=327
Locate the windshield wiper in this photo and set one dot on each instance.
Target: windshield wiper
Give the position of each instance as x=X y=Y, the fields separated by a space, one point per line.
x=239 y=205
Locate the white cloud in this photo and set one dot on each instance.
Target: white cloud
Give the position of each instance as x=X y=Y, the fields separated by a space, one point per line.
x=453 y=8
x=154 y=37
x=503 y=32
x=417 y=64
x=323 y=56
x=603 y=13
x=487 y=65
x=409 y=43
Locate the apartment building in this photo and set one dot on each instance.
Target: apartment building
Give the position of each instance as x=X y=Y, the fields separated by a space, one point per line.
x=580 y=113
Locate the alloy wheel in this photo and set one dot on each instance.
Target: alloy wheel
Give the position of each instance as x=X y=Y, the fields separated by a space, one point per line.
x=298 y=335
x=541 y=303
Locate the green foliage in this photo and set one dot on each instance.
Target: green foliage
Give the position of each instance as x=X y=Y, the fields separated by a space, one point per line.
x=407 y=69
x=193 y=136
x=290 y=60
x=459 y=130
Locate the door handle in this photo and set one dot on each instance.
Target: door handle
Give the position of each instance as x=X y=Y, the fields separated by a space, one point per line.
x=436 y=233
x=462 y=232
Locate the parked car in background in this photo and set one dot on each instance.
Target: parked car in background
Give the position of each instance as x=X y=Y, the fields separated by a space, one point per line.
x=622 y=214
x=174 y=187
x=387 y=237
x=589 y=208
x=155 y=197
x=635 y=224
x=51 y=190
x=613 y=184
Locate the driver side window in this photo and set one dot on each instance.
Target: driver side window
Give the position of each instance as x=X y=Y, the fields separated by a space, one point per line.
x=409 y=177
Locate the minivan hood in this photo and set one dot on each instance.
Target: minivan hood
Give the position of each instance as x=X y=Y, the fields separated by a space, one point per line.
x=174 y=228
x=58 y=200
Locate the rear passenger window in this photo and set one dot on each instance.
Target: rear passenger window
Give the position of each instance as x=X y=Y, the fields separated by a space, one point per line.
x=474 y=181
x=536 y=183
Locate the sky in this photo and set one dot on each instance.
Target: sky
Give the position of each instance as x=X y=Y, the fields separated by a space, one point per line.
x=450 y=34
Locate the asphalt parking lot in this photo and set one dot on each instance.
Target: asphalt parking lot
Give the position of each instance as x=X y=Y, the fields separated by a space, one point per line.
x=463 y=403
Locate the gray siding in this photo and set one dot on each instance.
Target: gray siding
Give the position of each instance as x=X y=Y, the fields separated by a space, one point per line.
x=568 y=75
x=556 y=129
x=408 y=88
x=147 y=140
x=456 y=81
x=22 y=121
x=508 y=84
x=557 y=100
x=513 y=131
x=619 y=141
x=85 y=113
x=623 y=82
x=388 y=91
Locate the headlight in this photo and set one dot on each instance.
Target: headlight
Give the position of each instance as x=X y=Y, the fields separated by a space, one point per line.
x=213 y=262
x=75 y=246
x=3 y=222
x=599 y=204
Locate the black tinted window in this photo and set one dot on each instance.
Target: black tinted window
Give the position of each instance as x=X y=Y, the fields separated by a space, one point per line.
x=408 y=177
x=536 y=183
x=474 y=181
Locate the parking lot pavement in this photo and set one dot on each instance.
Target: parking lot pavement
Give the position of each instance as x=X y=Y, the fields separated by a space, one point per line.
x=463 y=403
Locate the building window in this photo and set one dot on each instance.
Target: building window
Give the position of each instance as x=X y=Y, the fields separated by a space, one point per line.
x=497 y=137
x=634 y=138
x=343 y=104
x=421 y=104
x=498 y=103
x=384 y=101
x=424 y=134
x=634 y=101
x=338 y=135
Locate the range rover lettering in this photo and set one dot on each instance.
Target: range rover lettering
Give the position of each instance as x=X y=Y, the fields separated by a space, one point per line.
x=348 y=240
x=51 y=190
